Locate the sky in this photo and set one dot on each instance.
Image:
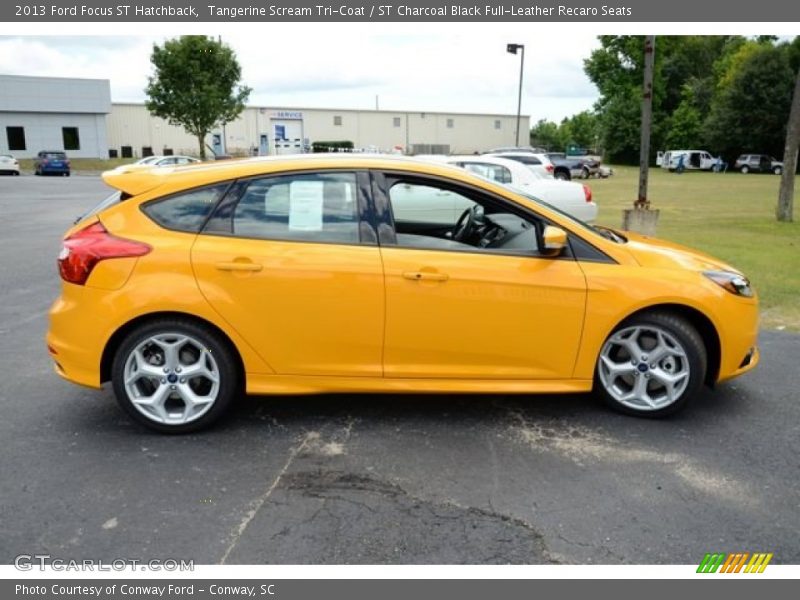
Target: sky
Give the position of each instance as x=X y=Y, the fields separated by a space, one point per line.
x=448 y=69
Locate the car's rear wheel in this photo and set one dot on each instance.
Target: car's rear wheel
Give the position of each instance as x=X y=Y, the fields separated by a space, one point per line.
x=745 y=169
x=651 y=365
x=174 y=376
x=563 y=175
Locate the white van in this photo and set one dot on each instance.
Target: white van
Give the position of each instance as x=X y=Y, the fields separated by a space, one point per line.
x=694 y=160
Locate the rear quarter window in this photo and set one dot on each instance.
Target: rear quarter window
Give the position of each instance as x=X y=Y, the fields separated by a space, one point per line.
x=185 y=211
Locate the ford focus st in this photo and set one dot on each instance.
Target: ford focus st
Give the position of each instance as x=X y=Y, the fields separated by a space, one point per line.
x=192 y=285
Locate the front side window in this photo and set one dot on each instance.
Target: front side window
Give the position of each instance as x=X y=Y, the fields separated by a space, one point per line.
x=318 y=207
x=186 y=211
x=443 y=217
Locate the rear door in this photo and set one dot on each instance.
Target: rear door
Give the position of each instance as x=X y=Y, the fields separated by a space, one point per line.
x=289 y=263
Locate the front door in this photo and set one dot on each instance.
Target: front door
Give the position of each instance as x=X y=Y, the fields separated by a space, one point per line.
x=473 y=297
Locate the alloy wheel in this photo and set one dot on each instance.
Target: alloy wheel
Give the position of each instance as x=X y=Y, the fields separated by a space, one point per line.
x=171 y=378
x=644 y=367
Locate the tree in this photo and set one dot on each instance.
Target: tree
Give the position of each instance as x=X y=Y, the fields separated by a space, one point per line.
x=196 y=85
x=752 y=100
x=546 y=133
x=786 y=194
x=684 y=78
x=581 y=129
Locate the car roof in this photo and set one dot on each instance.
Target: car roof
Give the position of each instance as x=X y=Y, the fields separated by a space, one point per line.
x=135 y=179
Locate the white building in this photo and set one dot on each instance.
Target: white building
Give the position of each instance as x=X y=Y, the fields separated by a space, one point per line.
x=50 y=113
x=133 y=132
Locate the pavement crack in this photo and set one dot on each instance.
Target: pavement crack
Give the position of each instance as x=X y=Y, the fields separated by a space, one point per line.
x=259 y=502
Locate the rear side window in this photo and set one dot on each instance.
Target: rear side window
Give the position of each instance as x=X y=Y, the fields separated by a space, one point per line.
x=526 y=160
x=490 y=171
x=319 y=207
x=186 y=211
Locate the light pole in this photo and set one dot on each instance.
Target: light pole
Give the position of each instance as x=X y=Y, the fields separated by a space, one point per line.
x=512 y=48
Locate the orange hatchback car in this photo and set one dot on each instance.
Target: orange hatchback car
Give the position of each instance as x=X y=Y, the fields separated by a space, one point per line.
x=191 y=285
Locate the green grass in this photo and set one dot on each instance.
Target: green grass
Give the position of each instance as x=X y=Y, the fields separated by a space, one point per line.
x=730 y=216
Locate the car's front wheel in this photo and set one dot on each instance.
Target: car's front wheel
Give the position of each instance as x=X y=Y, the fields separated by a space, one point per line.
x=174 y=376
x=651 y=365
x=745 y=169
x=777 y=170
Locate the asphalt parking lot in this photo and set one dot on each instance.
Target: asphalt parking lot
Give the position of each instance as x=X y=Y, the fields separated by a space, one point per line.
x=376 y=479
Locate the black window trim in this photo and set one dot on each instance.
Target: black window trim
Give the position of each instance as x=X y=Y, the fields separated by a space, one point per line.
x=387 y=234
x=365 y=218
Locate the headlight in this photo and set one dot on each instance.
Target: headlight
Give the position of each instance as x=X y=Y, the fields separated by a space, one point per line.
x=733 y=282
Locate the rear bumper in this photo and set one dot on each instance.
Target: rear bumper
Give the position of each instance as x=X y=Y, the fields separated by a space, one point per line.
x=76 y=362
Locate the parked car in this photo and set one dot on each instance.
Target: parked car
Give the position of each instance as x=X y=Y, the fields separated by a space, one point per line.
x=308 y=274
x=693 y=160
x=51 y=162
x=164 y=161
x=8 y=165
x=568 y=167
x=572 y=198
x=505 y=149
x=758 y=163
x=534 y=161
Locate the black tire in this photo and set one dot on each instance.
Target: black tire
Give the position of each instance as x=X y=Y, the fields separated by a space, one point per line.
x=220 y=348
x=777 y=171
x=562 y=175
x=745 y=170
x=690 y=341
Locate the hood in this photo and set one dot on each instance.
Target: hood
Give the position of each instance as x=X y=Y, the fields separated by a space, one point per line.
x=653 y=252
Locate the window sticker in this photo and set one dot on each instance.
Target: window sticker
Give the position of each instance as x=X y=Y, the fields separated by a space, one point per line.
x=305 y=205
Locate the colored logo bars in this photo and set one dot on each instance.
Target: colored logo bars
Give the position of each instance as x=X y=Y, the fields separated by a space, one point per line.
x=735 y=562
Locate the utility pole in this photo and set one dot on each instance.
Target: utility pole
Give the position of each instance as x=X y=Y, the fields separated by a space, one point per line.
x=647 y=121
x=512 y=49
x=641 y=219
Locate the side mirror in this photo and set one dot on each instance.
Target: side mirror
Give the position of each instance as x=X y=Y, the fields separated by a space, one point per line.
x=554 y=240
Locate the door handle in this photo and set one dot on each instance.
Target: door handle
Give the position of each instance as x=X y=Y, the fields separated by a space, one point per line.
x=238 y=266
x=425 y=276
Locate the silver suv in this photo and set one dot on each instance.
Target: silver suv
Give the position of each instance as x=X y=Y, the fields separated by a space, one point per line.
x=759 y=163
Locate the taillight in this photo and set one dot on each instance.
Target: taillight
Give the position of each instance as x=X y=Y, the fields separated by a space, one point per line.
x=549 y=168
x=587 y=193
x=83 y=250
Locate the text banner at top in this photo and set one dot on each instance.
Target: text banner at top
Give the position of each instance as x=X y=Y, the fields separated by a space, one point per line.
x=416 y=11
